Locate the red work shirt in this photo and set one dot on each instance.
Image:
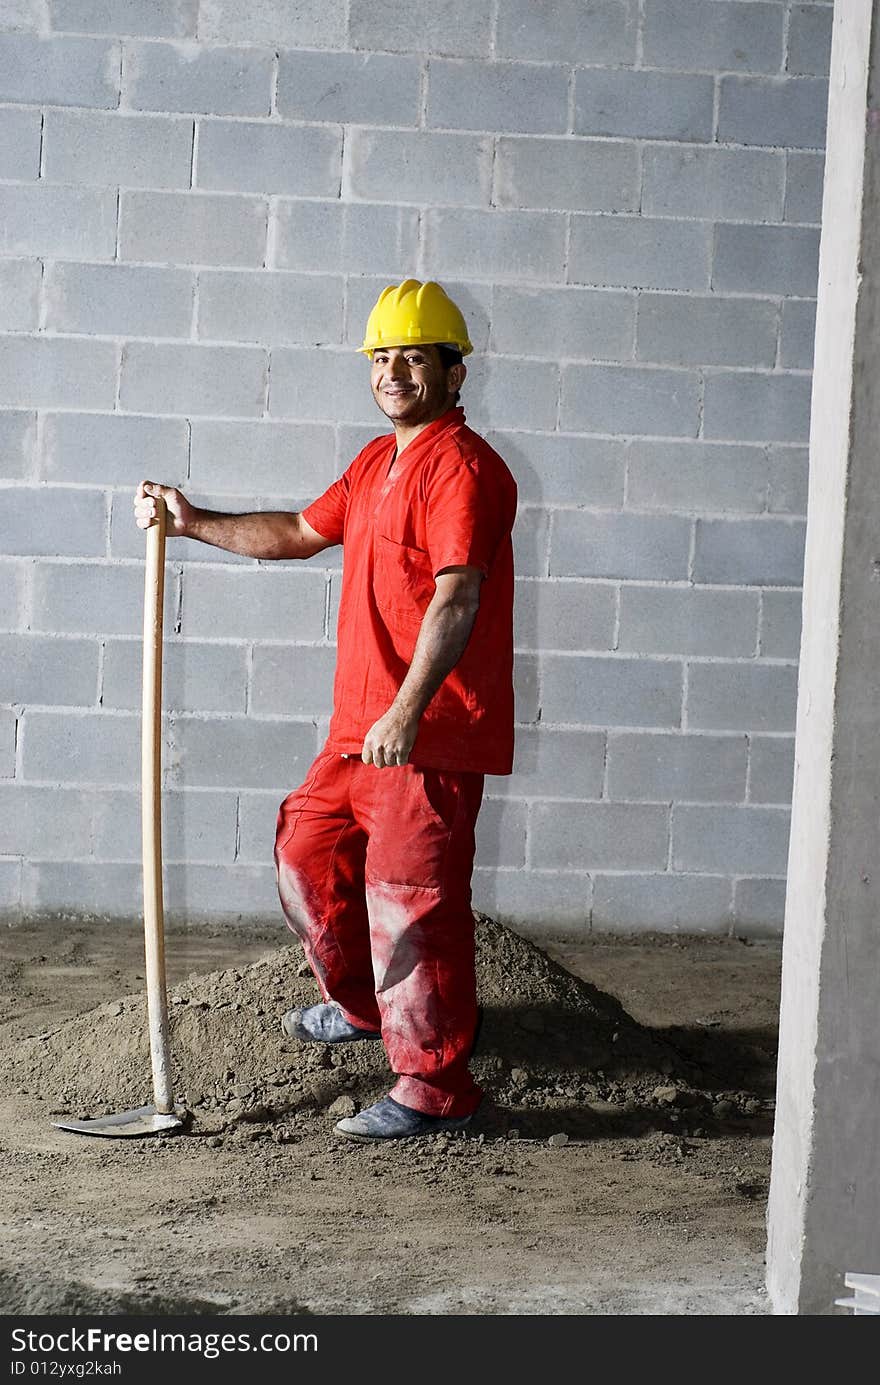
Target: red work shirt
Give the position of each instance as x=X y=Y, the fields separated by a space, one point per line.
x=448 y=500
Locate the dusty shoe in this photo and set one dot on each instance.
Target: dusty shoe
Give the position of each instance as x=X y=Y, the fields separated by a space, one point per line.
x=323 y=1024
x=388 y=1120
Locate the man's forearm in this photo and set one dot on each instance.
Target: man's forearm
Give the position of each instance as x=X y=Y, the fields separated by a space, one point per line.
x=443 y=636
x=261 y=534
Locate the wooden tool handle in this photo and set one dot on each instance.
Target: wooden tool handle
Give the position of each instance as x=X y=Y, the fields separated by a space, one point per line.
x=151 y=812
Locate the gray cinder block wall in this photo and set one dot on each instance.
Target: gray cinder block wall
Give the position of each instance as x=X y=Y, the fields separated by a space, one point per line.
x=199 y=203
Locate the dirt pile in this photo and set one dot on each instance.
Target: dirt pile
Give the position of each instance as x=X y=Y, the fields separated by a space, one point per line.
x=557 y=1057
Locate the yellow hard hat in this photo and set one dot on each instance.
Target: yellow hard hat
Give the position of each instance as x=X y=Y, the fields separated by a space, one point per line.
x=415 y=314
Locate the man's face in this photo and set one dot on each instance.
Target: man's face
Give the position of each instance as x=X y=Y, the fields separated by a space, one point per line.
x=410 y=384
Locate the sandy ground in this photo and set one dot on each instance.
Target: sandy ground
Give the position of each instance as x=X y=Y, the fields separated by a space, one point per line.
x=619 y=1164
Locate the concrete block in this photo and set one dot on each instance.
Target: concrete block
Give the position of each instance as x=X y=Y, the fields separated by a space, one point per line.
x=797 y=339
x=38 y=70
x=89 y=748
x=561 y=764
x=663 y=902
x=421 y=27
x=746 y=407
x=190 y=379
x=112 y=149
x=564 y=615
x=741 y=697
x=238 y=752
x=718 y=184
x=19 y=143
x=694 y=35
x=188 y=77
x=26 y=814
x=548 y=903
x=788 y=112
x=266 y=307
x=357 y=238
x=315 y=385
x=195 y=677
x=198 y=826
x=293 y=680
x=151 y=18
x=234 y=892
x=582 y=174
x=675 y=329
x=94 y=598
x=28 y=15
x=809 y=40
x=695 y=476
x=623 y=399
x=20 y=295
x=10 y=889
x=610 y=691
x=352 y=88
x=778 y=260
x=8 y=724
x=495 y=245
x=531 y=531
x=730 y=840
x=62 y=673
x=13 y=590
x=757 y=552
x=243 y=156
x=642 y=104
x=85 y=889
x=781 y=624
x=416 y=166
x=639 y=252
x=47 y=521
x=694 y=769
x=759 y=908
x=52 y=373
x=687 y=620
x=602 y=33
x=253 y=603
x=771 y=771
x=501 y=832
x=263 y=459
x=257 y=818
x=17 y=442
x=113 y=450
x=193 y=228
x=525 y=689
x=565 y=322
x=307 y=24
x=599 y=836
x=788 y=478
x=514 y=393
x=59 y=222
x=119 y=300
x=605 y=544
x=529 y=97
x=552 y=467
x=804 y=186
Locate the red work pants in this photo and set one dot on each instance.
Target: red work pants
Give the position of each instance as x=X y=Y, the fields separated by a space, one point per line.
x=374 y=876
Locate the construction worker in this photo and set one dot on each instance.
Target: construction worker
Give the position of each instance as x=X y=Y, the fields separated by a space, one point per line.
x=374 y=851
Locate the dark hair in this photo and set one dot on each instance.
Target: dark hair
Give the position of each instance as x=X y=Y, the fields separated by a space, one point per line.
x=450 y=356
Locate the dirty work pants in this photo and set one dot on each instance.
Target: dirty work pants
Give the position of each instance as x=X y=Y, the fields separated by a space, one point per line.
x=374 y=876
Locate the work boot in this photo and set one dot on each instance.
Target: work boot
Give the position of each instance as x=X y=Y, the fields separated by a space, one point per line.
x=388 y=1120
x=323 y=1024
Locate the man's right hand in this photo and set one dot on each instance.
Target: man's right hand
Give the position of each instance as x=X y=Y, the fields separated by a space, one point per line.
x=179 y=511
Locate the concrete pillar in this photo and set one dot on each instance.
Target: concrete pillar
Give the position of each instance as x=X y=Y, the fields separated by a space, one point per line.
x=824 y=1210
